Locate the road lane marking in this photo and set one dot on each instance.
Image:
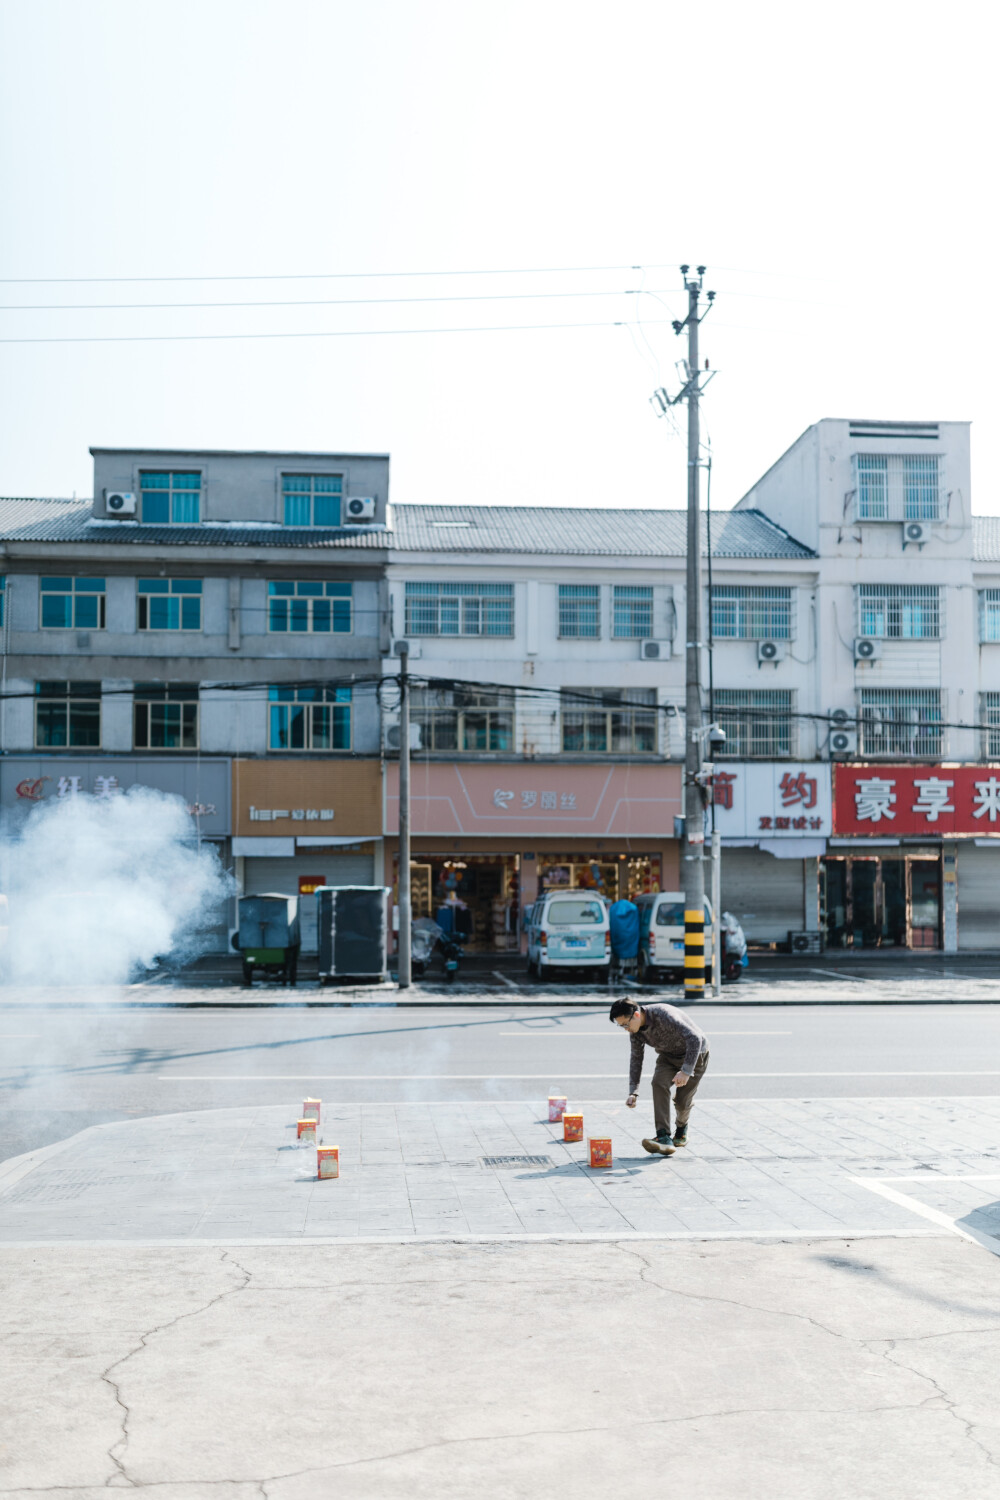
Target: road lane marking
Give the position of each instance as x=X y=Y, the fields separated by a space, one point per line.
x=506 y=1077
x=885 y=1188
x=503 y=977
x=839 y=974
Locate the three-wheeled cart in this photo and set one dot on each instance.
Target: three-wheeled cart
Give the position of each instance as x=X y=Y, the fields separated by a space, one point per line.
x=352 y=928
x=267 y=936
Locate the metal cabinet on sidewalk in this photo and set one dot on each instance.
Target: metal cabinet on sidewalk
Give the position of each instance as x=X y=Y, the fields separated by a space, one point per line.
x=353 y=932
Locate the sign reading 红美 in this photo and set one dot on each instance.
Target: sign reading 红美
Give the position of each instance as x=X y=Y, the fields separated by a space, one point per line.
x=954 y=801
x=34 y=781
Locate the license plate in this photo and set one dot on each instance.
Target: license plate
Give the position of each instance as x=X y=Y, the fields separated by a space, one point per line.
x=679 y=944
x=574 y=942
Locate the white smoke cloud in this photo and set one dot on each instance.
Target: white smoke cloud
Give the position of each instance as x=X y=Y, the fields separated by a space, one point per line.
x=98 y=888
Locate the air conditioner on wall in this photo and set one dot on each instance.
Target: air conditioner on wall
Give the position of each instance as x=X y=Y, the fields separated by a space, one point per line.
x=119 y=502
x=867 y=648
x=359 y=508
x=393 y=737
x=771 y=650
x=654 y=650
x=915 y=533
x=805 y=942
x=843 y=740
x=413 y=648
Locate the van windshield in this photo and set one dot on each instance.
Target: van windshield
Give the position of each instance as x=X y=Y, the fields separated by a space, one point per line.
x=567 y=913
x=670 y=916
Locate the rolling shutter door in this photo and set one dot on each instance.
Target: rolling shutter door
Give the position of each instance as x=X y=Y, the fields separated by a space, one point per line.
x=764 y=894
x=978 y=878
x=282 y=875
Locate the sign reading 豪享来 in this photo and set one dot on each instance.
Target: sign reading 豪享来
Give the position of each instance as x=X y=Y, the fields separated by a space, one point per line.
x=901 y=801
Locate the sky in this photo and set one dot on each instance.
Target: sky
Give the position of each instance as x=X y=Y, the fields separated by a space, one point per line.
x=833 y=166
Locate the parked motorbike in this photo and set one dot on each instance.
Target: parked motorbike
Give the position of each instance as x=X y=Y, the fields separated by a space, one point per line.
x=425 y=937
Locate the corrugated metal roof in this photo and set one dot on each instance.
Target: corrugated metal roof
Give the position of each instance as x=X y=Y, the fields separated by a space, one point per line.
x=71 y=521
x=986 y=538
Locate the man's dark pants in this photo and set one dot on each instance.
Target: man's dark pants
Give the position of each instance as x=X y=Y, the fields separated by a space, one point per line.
x=663 y=1073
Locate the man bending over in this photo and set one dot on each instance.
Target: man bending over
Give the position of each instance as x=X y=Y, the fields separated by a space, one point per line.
x=682 y=1057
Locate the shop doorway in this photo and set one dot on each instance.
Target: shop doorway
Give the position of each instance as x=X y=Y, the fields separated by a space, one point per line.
x=614 y=876
x=881 y=901
x=479 y=894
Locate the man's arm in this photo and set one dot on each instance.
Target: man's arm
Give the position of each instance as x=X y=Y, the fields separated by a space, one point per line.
x=635 y=1064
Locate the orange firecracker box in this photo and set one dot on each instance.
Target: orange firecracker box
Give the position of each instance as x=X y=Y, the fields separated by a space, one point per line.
x=310 y=1109
x=328 y=1161
x=572 y=1127
x=306 y=1132
x=600 y=1150
x=557 y=1108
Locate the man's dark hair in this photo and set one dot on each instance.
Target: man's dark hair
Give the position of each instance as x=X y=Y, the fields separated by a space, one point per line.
x=622 y=1008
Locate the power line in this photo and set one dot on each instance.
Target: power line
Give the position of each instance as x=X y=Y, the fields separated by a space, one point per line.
x=336 y=333
x=326 y=275
x=316 y=302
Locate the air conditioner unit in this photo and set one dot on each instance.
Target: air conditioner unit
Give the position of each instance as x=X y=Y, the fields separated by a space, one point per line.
x=409 y=648
x=359 y=508
x=915 y=533
x=119 y=502
x=393 y=738
x=771 y=650
x=805 y=942
x=866 y=648
x=843 y=740
x=654 y=650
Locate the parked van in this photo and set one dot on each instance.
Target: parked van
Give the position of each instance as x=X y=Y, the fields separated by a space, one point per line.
x=661 y=939
x=568 y=930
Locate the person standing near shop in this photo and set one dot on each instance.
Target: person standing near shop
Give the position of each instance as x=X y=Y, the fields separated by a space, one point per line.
x=682 y=1057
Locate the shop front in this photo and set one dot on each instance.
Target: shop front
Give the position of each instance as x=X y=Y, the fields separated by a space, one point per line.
x=300 y=824
x=486 y=839
x=915 y=857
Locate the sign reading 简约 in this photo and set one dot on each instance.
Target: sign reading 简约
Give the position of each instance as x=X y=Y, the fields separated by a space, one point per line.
x=772 y=800
x=956 y=801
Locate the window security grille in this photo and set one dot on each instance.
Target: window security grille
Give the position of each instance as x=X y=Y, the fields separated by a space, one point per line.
x=900 y=721
x=989 y=614
x=165 y=717
x=307 y=606
x=989 y=718
x=67 y=715
x=892 y=487
x=3 y=597
x=757 y=721
x=459 y=719
x=301 y=718
x=579 y=611
x=609 y=721
x=169 y=603
x=170 y=499
x=632 y=612
x=750 y=613
x=459 y=609
x=311 y=499
x=72 y=603
x=899 y=611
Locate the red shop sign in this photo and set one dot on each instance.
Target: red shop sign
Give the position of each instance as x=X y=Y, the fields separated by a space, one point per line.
x=904 y=800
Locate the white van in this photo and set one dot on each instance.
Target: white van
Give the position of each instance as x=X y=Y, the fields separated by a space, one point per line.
x=568 y=930
x=661 y=939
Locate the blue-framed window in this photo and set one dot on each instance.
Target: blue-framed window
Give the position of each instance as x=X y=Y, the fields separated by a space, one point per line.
x=170 y=498
x=72 y=603
x=312 y=499
x=168 y=603
x=165 y=717
x=632 y=611
x=304 y=605
x=306 y=718
x=579 y=611
x=67 y=715
x=459 y=609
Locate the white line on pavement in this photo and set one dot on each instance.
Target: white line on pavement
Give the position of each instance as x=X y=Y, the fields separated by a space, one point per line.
x=883 y=1187
x=558 y=1031
x=498 y=975
x=839 y=974
x=504 y=1077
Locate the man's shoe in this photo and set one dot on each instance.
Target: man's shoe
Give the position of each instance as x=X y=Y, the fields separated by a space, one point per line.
x=658 y=1145
x=681 y=1135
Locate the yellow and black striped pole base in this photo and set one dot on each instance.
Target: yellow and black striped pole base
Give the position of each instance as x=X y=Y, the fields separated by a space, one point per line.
x=694 y=954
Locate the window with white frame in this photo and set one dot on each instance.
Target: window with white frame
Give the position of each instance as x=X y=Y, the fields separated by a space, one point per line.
x=170 y=498
x=309 y=718
x=989 y=615
x=579 y=611
x=609 y=721
x=311 y=499
x=67 y=715
x=758 y=722
x=308 y=606
x=165 y=716
x=463 y=719
x=168 y=603
x=459 y=609
x=750 y=612
x=897 y=487
x=899 y=611
x=72 y=603
x=989 y=721
x=631 y=611
x=900 y=721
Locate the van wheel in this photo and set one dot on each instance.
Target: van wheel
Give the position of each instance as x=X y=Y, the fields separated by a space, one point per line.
x=531 y=968
x=542 y=972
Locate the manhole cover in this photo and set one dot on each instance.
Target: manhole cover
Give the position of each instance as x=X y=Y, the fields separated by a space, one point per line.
x=516 y=1161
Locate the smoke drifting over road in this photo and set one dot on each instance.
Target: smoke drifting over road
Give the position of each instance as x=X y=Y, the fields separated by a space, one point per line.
x=98 y=888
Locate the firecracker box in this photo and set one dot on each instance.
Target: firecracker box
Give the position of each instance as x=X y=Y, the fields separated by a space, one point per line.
x=328 y=1161
x=310 y=1109
x=600 y=1150
x=306 y=1132
x=572 y=1127
x=557 y=1108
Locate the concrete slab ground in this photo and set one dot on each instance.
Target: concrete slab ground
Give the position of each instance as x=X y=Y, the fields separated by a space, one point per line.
x=806 y=1371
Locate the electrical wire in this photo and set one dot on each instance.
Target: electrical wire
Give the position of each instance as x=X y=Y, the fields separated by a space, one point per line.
x=314 y=302
x=336 y=333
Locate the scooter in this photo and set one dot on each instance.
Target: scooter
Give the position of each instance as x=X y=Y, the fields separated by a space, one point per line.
x=452 y=949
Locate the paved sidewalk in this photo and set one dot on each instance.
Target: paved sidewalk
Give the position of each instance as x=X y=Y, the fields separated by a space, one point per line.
x=786 y=1168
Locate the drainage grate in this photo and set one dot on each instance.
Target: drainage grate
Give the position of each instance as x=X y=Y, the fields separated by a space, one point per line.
x=516 y=1161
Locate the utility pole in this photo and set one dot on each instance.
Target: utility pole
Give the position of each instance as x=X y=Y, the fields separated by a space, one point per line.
x=404 y=905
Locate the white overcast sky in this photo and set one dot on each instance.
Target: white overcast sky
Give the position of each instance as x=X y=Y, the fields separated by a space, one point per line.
x=835 y=167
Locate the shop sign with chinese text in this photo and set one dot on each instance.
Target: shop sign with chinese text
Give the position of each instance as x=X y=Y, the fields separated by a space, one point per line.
x=28 y=781
x=772 y=799
x=900 y=801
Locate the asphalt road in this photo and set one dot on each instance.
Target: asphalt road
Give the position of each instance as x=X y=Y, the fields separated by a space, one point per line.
x=63 y=1071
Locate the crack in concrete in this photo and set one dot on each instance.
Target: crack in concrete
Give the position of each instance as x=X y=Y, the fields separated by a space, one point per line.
x=950 y=1403
x=119 y=1476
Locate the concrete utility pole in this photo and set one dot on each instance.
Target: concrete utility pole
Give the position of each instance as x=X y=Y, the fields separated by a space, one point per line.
x=404 y=905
